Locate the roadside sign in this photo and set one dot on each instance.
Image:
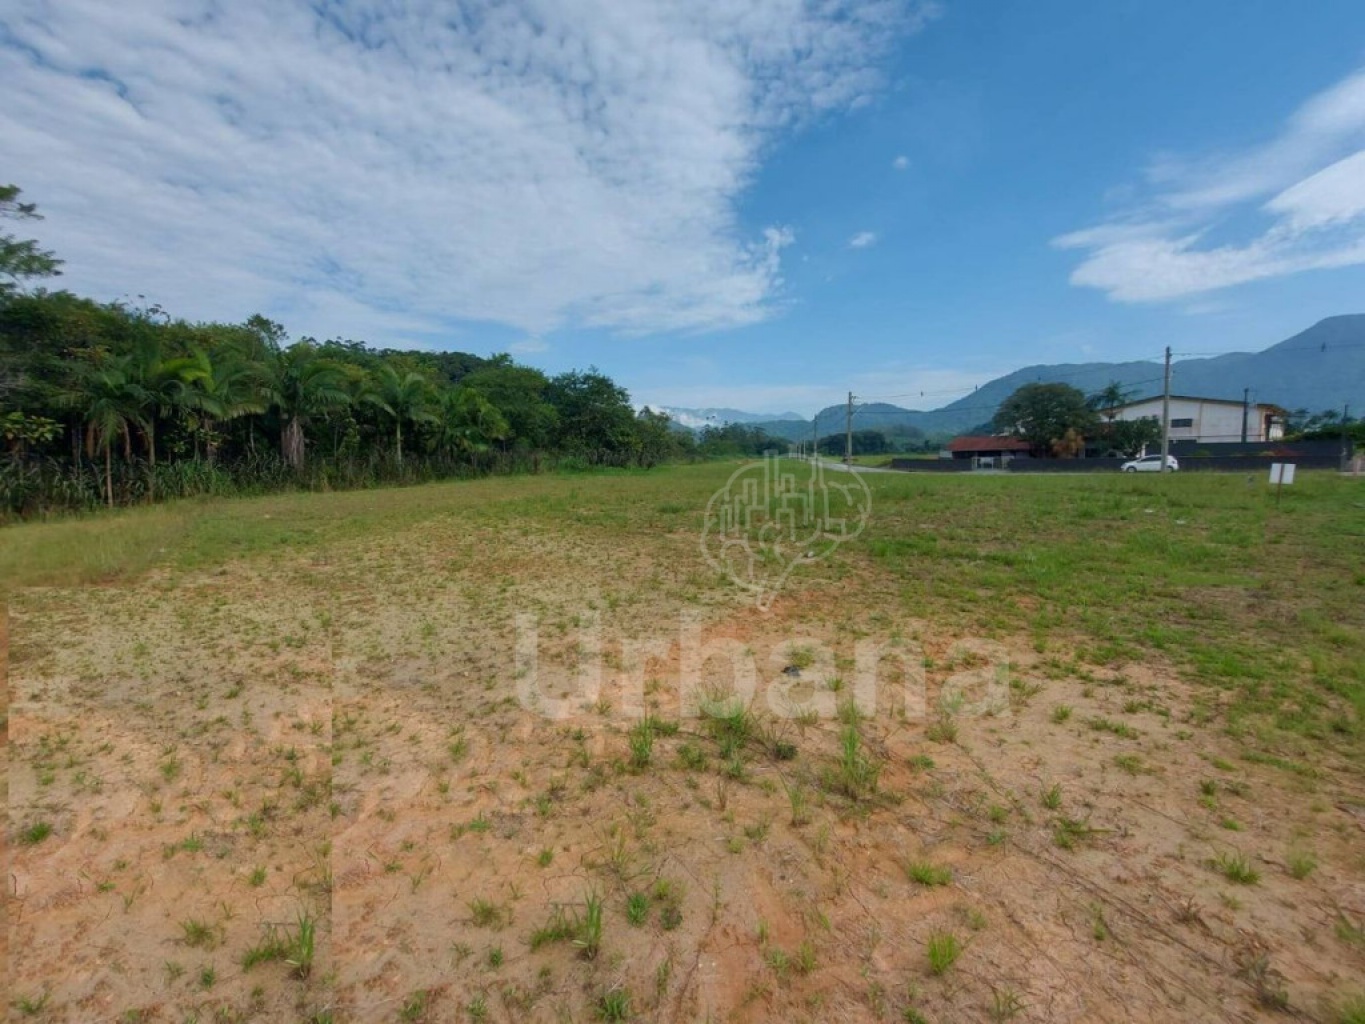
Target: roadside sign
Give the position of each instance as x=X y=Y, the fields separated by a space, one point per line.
x=1281 y=473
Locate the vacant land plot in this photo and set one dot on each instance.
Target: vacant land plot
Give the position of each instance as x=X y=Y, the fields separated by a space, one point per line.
x=432 y=755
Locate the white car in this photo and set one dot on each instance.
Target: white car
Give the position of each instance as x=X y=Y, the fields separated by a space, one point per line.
x=1150 y=464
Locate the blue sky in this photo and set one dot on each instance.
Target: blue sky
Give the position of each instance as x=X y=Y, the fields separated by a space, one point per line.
x=759 y=205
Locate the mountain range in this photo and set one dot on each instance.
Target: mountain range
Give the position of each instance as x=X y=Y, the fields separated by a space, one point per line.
x=696 y=419
x=1320 y=368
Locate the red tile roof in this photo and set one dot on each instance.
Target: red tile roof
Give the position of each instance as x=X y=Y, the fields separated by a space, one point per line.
x=988 y=444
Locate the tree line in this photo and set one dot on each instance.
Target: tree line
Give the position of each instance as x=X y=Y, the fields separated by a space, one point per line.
x=112 y=403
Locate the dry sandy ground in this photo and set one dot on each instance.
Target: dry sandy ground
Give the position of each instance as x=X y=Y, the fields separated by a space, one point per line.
x=346 y=741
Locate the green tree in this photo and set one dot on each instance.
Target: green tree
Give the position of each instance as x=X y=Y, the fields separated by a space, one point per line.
x=520 y=393
x=20 y=258
x=1043 y=413
x=219 y=392
x=658 y=439
x=1109 y=399
x=163 y=378
x=301 y=385
x=469 y=423
x=1129 y=437
x=111 y=401
x=865 y=442
x=594 y=413
x=404 y=397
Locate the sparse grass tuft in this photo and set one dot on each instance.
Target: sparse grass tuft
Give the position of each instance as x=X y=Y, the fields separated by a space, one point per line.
x=641 y=740
x=857 y=773
x=926 y=873
x=1350 y=1010
x=614 y=1005
x=1067 y=832
x=943 y=949
x=1121 y=729
x=199 y=934
x=1235 y=868
x=35 y=833
x=1301 y=864
x=487 y=914
x=31 y=1006
x=637 y=908
x=1006 y=1004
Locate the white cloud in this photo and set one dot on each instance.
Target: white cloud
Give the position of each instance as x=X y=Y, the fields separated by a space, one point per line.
x=1305 y=188
x=901 y=163
x=805 y=399
x=390 y=171
x=862 y=240
x=528 y=346
x=909 y=386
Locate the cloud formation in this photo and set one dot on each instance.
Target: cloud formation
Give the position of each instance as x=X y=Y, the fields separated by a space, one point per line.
x=396 y=172
x=1304 y=191
x=862 y=240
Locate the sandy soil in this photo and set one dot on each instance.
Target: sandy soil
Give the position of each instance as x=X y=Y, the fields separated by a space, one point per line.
x=347 y=741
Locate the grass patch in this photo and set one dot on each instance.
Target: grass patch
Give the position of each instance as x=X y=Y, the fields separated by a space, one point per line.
x=926 y=873
x=1235 y=867
x=943 y=950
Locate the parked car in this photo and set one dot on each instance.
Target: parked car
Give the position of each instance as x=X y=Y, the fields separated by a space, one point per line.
x=1150 y=464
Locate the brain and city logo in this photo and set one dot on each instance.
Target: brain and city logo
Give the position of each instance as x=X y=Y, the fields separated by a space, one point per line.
x=772 y=516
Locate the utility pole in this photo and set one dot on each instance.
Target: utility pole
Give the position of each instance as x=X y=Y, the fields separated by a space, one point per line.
x=1166 y=413
x=848 y=433
x=1246 y=408
x=1345 y=418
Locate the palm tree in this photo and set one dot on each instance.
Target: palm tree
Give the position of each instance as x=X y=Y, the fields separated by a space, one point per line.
x=216 y=393
x=469 y=423
x=1108 y=399
x=301 y=384
x=403 y=397
x=111 y=401
x=163 y=381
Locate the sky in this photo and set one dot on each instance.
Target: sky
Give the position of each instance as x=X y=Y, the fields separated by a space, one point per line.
x=756 y=204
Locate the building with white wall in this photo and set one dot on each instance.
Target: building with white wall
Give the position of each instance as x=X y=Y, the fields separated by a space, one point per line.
x=1209 y=420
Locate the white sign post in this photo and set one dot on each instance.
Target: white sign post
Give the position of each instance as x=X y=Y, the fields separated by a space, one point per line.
x=1281 y=473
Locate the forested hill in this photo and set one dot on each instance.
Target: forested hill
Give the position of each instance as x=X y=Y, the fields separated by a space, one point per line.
x=1320 y=368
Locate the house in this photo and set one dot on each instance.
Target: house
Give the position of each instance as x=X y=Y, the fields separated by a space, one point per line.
x=987 y=451
x=1209 y=420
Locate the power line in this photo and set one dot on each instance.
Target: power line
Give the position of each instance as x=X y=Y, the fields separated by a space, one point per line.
x=967 y=408
x=1320 y=348
x=1051 y=379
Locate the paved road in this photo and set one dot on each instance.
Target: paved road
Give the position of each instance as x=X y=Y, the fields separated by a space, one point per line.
x=832 y=464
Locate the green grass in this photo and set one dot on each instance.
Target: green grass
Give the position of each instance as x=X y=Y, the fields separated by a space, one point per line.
x=1301 y=864
x=198 y=934
x=296 y=948
x=1261 y=608
x=35 y=833
x=943 y=950
x=1351 y=1010
x=1197 y=568
x=1235 y=867
x=928 y=874
x=614 y=1005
